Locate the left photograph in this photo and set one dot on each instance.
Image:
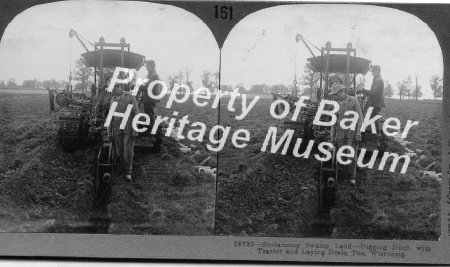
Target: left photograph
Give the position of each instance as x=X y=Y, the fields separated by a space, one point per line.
x=96 y=100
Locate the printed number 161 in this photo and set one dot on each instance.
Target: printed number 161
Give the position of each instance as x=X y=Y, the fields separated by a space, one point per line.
x=223 y=12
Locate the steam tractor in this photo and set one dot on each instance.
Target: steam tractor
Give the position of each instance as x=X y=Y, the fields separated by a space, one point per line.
x=332 y=63
x=80 y=116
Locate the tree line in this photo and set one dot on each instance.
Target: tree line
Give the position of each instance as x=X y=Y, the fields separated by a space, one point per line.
x=35 y=84
x=81 y=73
x=310 y=81
x=408 y=88
x=411 y=88
x=208 y=78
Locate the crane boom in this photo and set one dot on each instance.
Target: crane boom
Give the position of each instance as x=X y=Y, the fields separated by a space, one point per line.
x=72 y=33
x=300 y=37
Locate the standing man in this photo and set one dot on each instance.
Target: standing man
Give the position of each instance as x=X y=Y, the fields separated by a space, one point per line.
x=375 y=96
x=150 y=103
x=346 y=137
x=123 y=138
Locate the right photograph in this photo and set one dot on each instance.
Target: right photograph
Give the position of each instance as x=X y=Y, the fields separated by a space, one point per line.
x=341 y=108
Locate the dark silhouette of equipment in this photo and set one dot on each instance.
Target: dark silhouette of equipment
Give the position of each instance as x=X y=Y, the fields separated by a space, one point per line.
x=333 y=64
x=80 y=116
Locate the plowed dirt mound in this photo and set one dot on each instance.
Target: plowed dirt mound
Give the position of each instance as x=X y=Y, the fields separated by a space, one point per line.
x=168 y=195
x=388 y=206
x=43 y=186
x=276 y=196
x=48 y=183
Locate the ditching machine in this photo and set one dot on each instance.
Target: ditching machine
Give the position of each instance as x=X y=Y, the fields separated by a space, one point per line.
x=80 y=116
x=332 y=63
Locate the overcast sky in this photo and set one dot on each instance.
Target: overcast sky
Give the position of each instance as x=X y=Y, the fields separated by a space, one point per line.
x=36 y=43
x=262 y=48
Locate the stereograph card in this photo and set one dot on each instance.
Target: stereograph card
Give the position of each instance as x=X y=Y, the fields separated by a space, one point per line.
x=238 y=131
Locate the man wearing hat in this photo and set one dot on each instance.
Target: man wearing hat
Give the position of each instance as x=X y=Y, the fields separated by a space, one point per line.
x=344 y=136
x=335 y=78
x=375 y=96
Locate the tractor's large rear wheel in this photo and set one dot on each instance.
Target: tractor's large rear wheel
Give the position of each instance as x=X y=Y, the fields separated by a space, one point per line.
x=323 y=224
x=327 y=189
x=104 y=177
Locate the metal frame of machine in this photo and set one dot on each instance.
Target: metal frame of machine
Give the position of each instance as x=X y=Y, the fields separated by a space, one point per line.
x=79 y=115
x=339 y=61
x=349 y=65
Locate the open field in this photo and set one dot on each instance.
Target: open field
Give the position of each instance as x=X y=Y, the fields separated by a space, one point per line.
x=48 y=189
x=264 y=194
x=22 y=91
